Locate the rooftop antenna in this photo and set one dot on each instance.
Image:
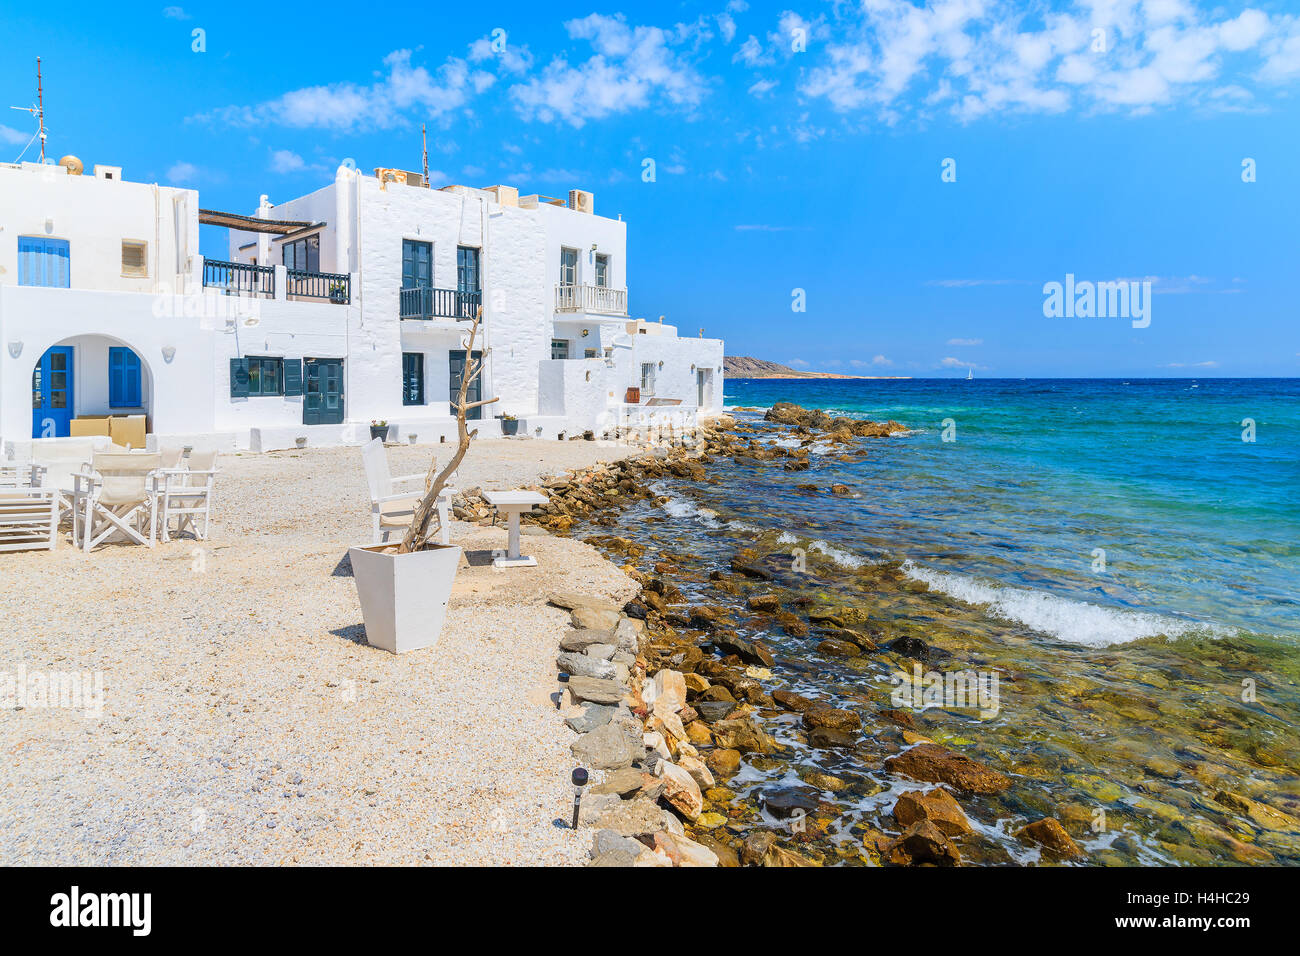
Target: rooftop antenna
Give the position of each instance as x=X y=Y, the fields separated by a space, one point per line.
x=424 y=139
x=39 y=112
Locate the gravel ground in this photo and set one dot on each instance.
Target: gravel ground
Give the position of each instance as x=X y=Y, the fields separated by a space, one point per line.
x=244 y=718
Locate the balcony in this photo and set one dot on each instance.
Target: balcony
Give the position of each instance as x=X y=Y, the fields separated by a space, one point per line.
x=329 y=286
x=428 y=304
x=243 y=278
x=239 y=278
x=590 y=298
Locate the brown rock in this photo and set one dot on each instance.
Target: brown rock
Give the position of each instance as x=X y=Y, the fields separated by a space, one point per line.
x=834 y=648
x=936 y=764
x=780 y=856
x=725 y=854
x=1049 y=834
x=680 y=789
x=744 y=735
x=724 y=763
x=922 y=842
x=935 y=805
x=792 y=701
x=832 y=718
x=764 y=602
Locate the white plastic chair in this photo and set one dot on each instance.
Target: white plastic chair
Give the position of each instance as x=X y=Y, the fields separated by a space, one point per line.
x=389 y=510
x=187 y=494
x=118 y=494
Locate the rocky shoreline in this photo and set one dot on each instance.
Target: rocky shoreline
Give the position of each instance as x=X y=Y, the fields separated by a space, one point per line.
x=681 y=716
x=668 y=701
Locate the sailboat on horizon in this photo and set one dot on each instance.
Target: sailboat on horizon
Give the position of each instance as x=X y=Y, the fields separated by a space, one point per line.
x=970 y=374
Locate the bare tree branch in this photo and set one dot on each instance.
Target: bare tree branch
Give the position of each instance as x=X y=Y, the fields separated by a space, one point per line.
x=417 y=535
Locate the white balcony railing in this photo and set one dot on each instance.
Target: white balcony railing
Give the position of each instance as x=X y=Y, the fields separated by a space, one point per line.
x=590 y=298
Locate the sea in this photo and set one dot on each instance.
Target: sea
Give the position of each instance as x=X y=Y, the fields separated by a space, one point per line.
x=1122 y=555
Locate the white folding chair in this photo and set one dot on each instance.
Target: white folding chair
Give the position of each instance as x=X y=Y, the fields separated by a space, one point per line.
x=187 y=494
x=389 y=510
x=117 y=495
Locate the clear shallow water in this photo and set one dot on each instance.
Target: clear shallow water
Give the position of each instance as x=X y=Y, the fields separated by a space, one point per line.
x=1199 y=531
x=1142 y=693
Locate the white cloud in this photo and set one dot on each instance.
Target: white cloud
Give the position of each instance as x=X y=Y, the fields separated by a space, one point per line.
x=878 y=361
x=13 y=137
x=751 y=53
x=511 y=58
x=286 y=161
x=797 y=363
x=182 y=174
x=345 y=106
x=1209 y=364
x=631 y=68
x=175 y=13
x=985 y=56
x=957 y=363
x=965 y=341
x=762 y=86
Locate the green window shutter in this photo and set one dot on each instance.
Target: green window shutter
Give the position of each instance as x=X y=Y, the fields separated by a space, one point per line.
x=239 y=378
x=293 y=376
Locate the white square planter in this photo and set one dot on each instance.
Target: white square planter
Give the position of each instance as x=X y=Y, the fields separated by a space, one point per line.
x=404 y=596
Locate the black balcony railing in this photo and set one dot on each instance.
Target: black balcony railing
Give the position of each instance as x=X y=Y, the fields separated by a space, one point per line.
x=330 y=286
x=239 y=278
x=421 y=302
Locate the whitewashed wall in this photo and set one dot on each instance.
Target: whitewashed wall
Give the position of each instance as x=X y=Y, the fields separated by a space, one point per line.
x=95 y=216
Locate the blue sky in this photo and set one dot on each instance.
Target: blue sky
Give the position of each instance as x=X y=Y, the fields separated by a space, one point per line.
x=795 y=147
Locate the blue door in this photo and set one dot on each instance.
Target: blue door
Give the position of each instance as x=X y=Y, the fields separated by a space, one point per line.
x=44 y=262
x=52 y=394
x=322 y=392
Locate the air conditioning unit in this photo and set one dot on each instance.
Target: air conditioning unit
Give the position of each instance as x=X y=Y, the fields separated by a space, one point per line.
x=581 y=201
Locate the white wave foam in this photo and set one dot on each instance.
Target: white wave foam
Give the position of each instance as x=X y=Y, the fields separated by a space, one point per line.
x=1074 y=622
x=841 y=557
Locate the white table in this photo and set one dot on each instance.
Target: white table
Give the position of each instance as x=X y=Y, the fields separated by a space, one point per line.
x=512 y=504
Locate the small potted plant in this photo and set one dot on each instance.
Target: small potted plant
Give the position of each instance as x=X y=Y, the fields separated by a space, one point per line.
x=509 y=425
x=379 y=429
x=339 y=293
x=404 y=588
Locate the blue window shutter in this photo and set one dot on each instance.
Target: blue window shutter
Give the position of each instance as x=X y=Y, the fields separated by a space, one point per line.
x=123 y=378
x=132 y=376
x=29 y=260
x=292 y=376
x=239 y=378
x=58 y=262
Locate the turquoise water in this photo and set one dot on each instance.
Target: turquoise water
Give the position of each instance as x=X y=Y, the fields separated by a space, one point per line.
x=1092 y=511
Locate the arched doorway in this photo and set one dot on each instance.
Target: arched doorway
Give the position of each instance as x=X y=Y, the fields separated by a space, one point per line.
x=88 y=377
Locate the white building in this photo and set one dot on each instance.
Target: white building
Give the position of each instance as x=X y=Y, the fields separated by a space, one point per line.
x=344 y=306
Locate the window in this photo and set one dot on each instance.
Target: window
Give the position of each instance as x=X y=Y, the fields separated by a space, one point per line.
x=602 y=271
x=648 y=378
x=417 y=264
x=123 y=378
x=559 y=348
x=589 y=353
x=568 y=267
x=44 y=262
x=467 y=273
x=302 y=254
x=265 y=376
x=261 y=375
x=135 y=258
x=412 y=378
